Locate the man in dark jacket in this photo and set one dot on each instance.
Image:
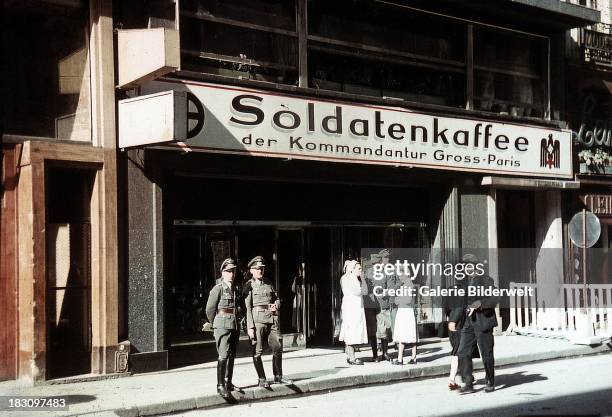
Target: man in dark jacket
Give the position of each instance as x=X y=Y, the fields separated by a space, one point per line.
x=371 y=306
x=479 y=320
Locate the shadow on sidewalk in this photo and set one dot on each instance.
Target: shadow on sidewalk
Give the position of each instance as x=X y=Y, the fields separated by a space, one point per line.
x=315 y=374
x=433 y=358
x=75 y=399
x=511 y=380
x=301 y=376
x=518 y=378
x=594 y=403
x=420 y=353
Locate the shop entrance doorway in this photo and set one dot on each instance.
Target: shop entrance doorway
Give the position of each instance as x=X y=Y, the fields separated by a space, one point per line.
x=515 y=230
x=68 y=287
x=304 y=261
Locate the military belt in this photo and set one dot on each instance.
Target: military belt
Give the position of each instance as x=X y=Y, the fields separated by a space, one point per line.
x=226 y=310
x=263 y=308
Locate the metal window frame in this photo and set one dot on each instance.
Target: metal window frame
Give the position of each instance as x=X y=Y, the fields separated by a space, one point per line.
x=308 y=42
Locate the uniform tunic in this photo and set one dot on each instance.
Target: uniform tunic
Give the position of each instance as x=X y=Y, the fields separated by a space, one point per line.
x=261 y=318
x=225 y=324
x=384 y=319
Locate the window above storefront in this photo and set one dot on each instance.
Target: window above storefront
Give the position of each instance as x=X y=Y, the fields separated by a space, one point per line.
x=369 y=48
x=590 y=122
x=254 y=39
x=47 y=73
x=510 y=72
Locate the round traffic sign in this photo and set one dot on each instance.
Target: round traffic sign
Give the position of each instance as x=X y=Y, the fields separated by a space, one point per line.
x=576 y=229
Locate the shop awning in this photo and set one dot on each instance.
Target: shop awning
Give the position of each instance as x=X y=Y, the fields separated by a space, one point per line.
x=529 y=183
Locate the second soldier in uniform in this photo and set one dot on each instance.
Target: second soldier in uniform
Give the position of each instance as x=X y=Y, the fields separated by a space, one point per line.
x=262 y=305
x=385 y=316
x=222 y=312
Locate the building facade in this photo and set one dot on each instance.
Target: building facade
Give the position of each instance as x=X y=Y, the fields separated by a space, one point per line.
x=59 y=260
x=302 y=131
x=590 y=69
x=280 y=95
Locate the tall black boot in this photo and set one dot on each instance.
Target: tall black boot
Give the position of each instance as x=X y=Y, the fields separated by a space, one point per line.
x=490 y=375
x=229 y=373
x=221 y=368
x=385 y=348
x=374 y=346
x=277 y=368
x=261 y=374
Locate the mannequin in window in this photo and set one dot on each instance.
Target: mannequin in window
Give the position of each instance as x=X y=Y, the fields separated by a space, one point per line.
x=297 y=288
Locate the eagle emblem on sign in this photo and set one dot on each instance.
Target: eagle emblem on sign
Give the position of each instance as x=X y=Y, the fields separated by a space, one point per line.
x=550 y=152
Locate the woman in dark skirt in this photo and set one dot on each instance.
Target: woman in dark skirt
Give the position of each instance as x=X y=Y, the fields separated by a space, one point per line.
x=454 y=339
x=456 y=315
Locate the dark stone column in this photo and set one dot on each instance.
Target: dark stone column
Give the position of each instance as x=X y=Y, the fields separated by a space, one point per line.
x=145 y=268
x=474 y=218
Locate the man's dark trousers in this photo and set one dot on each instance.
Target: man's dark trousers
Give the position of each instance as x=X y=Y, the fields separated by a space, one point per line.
x=485 y=341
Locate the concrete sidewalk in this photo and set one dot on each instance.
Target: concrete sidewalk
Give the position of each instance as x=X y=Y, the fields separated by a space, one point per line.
x=312 y=370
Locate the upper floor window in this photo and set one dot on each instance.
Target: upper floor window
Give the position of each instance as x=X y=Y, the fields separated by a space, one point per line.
x=252 y=39
x=368 y=48
x=46 y=79
x=510 y=72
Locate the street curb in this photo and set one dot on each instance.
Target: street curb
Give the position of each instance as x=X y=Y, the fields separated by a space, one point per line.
x=305 y=387
x=85 y=378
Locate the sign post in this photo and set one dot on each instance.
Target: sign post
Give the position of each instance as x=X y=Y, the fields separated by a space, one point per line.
x=584 y=232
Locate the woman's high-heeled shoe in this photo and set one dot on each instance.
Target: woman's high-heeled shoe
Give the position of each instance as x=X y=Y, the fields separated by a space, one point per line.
x=397 y=362
x=452 y=385
x=354 y=361
x=412 y=360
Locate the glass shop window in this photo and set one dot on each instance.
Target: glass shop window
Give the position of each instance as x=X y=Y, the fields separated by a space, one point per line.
x=379 y=50
x=510 y=73
x=376 y=77
x=46 y=88
x=250 y=39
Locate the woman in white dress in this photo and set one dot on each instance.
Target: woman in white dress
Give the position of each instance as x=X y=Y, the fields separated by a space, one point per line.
x=353 y=329
x=405 y=330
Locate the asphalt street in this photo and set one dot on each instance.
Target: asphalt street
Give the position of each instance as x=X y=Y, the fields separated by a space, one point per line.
x=574 y=387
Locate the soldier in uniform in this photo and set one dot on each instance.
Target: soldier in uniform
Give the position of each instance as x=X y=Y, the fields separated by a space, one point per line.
x=262 y=305
x=222 y=312
x=384 y=318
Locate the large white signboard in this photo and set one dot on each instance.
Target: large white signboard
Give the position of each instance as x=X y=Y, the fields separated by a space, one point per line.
x=236 y=120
